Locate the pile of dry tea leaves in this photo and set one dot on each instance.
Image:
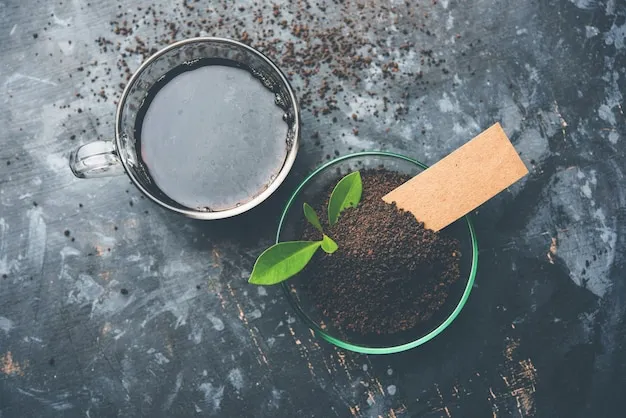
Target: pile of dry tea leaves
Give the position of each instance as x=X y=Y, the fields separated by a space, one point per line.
x=390 y=273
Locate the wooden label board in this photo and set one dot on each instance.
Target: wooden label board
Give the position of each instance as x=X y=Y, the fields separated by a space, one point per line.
x=462 y=181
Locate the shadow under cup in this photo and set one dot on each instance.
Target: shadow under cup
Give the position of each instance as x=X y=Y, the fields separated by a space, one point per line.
x=292 y=224
x=189 y=53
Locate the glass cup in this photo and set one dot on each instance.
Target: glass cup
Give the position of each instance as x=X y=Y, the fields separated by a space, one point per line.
x=108 y=158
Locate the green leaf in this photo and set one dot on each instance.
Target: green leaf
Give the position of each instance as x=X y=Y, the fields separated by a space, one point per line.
x=329 y=245
x=347 y=193
x=311 y=216
x=282 y=260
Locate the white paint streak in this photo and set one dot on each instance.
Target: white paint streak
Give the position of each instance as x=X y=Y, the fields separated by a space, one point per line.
x=583 y=4
x=61 y=22
x=533 y=146
x=36 y=238
x=212 y=395
x=177 y=305
x=586 y=248
x=586 y=190
x=606 y=114
x=59 y=405
x=56 y=161
x=6 y=266
x=613 y=93
x=510 y=115
x=6 y=324
x=172 y=396
x=196 y=334
x=18 y=76
x=616 y=36
x=85 y=291
x=445 y=104
x=533 y=73
x=607 y=234
x=610 y=8
x=236 y=379
x=105 y=241
x=218 y=324
x=160 y=358
x=119 y=334
x=177 y=267
x=255 y=314
x=450 y=21
x=591 y=31
x=68 y=251
x=66 y=48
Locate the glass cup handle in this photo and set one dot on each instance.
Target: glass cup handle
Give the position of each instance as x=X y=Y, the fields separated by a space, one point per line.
x=96 y=159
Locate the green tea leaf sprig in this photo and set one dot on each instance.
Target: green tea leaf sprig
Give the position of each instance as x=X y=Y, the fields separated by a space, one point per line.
x=286 y=259
x=311 y=216
x=329 y=245
x=282 y=261
x=347 y=194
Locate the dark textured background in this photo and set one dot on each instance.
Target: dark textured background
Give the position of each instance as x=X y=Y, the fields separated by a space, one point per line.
x=543 y=332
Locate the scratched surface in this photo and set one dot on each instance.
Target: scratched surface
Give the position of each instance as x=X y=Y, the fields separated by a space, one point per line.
x=109 y=306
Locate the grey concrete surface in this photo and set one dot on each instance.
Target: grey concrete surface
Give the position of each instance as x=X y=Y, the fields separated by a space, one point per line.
x=543 y=334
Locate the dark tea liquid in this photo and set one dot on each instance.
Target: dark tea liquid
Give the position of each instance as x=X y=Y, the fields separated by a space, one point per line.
x=211 y=135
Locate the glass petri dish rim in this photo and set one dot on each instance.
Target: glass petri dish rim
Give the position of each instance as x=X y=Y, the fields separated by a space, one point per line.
x=393 y=348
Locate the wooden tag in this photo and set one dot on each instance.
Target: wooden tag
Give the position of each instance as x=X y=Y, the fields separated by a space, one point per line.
x=462 y=181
